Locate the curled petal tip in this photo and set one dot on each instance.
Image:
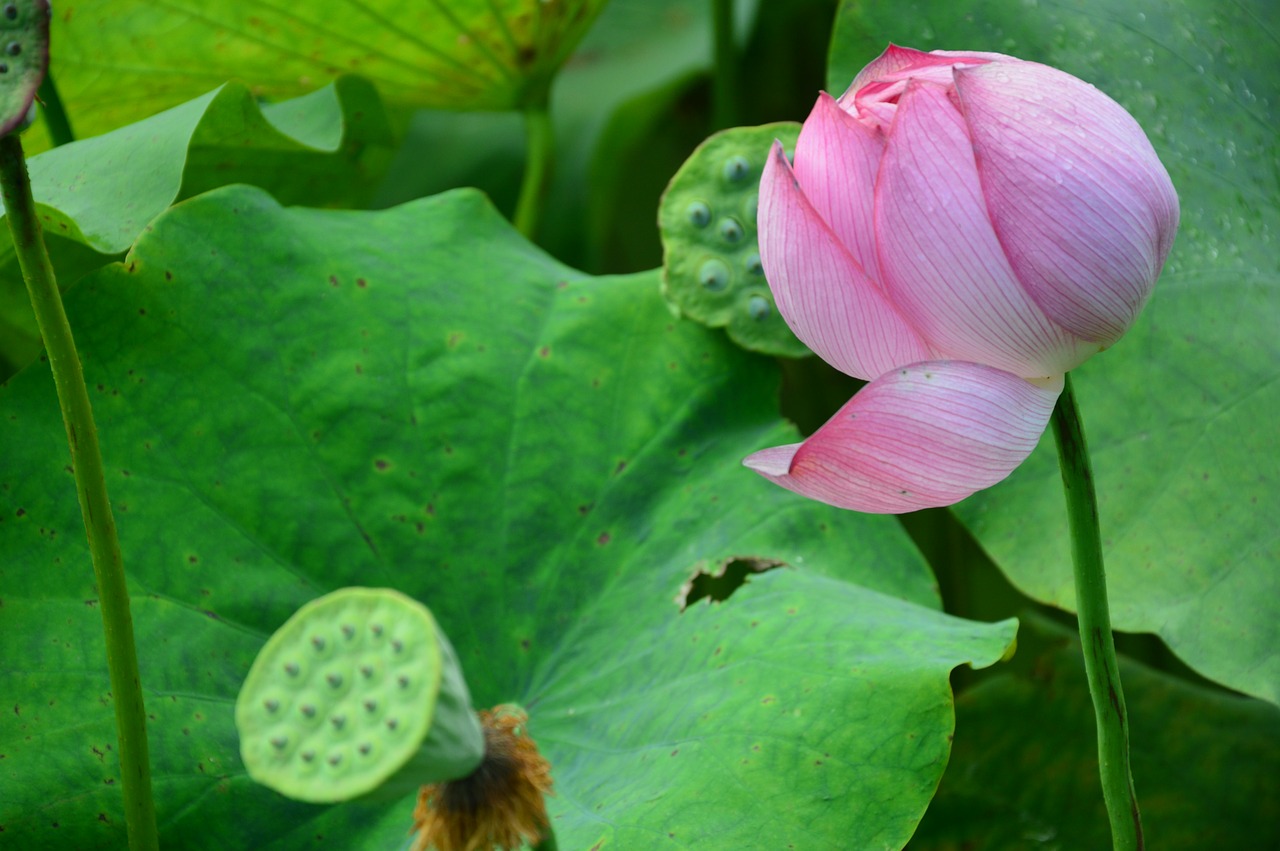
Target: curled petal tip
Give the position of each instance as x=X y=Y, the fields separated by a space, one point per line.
x=921 y=436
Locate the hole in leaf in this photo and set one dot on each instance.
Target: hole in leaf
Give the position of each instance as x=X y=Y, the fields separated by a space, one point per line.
x=718 y=585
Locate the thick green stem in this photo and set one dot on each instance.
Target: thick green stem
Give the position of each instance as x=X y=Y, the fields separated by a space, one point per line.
x=724 y=91
x=540 y=152
x=1095 y=625
x=548 y=840
x=91 y=488
x=55 y=114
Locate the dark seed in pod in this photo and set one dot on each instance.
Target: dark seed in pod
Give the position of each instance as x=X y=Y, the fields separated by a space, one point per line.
x=291 y=668
x=366 y=671
x=307 y=756
x=335 y=759
x=370 y=705
x=392 y=723
x=349 y=631
x=376 y=629
x=307 y=710
x=11 y=11
x=279 y=742
x=730 y=230
x=338 y=721
x=397 y=645
x=403 y=681
x=317 y=642
x=272 y=705
x=365 y=748
x=13 y=48
x=334 y=680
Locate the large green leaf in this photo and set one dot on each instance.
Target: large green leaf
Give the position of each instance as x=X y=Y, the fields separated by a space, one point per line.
x=469 y=54
x=1181 y=414
x=1206 y=765
x=293 y=400
x=95 y=196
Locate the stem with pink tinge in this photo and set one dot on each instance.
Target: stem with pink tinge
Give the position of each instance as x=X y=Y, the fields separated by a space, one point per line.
x=1094 y=617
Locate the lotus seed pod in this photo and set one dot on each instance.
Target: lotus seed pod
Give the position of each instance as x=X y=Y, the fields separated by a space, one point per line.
x=711 y=269
x=24 y=58
x=359 y=693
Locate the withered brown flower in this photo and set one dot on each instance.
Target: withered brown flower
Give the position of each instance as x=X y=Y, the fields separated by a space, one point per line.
x=500 y=804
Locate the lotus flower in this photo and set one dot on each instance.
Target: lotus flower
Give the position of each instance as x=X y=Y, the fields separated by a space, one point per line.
x=959 y=230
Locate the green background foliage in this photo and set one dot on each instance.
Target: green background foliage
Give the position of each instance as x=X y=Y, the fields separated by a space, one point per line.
x=95 y=196
x=547 y=458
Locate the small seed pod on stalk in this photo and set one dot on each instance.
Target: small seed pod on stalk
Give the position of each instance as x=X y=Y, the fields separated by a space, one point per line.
x=359 y=694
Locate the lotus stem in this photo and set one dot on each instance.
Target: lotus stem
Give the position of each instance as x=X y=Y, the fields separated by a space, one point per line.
x=724 y=75
x=1096 y=640
x=540 y=152
x=55 y=114
x=91 y=489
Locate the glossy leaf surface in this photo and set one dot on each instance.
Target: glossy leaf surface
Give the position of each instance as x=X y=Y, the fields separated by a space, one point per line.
x=294 y=400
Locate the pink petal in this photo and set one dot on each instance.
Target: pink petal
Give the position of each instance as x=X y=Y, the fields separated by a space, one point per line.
x=825 y=297
x=922 y=436
x=887 y=74
x=940 y=261
x=1084 y=209
x=836 y=163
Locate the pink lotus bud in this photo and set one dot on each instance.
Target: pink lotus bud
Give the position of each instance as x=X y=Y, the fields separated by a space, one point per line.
x=959 y=229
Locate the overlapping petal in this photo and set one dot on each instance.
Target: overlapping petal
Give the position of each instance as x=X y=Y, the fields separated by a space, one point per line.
x=1080 y=202
x=823 y=294
x=837 y=159
x=942 y=264
x=921 y=436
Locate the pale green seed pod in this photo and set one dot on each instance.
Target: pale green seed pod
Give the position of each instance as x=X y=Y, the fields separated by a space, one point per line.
x=711 y=270
x=358 y=694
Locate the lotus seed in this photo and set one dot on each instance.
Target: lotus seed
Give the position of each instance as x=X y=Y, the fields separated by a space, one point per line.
x=758 y=307
x=317 y=642
x=4 y=67
x=338 y=721
x=308 y=710
x=753 y=264
x=397 y=645
x=335 y=759
x=291 y=668
x=272 y=705
x=730 y=230
x=736 y=168
x=376 y=629
x=334 y=680
x=278 y=742
x=714 y=275
x=349 y=631
x=403 y=681
x=10 y=11
x=699 y=214
x=366 y=671
x=308 y=756
x=365 y=748
x=370 y=705
x=13 y=48
x=392 y=723
x=750 y=208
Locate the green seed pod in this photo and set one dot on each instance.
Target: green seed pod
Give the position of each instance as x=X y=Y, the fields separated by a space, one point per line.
x=359 y=693
x=711 y=268
x=24 y=58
